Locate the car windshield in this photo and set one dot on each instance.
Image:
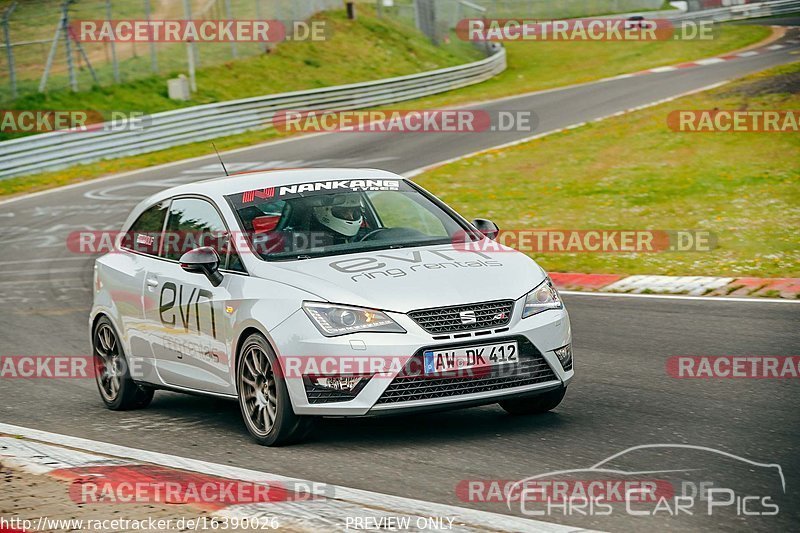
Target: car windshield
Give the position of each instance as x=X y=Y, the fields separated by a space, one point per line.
x=321 y=218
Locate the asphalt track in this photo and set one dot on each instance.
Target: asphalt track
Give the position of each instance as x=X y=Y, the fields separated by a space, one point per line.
x=622 y=395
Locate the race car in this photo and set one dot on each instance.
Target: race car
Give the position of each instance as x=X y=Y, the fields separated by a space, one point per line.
x=323 y=292
x=639 y=22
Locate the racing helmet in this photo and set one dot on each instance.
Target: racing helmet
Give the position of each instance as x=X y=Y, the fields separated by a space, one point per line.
x=343 y=215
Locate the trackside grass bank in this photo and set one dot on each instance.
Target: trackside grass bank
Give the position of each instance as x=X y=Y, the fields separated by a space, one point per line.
x=635 y=173
x=532 y=66
x=361 y=50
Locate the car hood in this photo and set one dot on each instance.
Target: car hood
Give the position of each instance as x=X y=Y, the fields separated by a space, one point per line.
x=405 y=279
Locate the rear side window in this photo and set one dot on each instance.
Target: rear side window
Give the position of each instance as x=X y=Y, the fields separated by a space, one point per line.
x=144 y=236
x=193 y=223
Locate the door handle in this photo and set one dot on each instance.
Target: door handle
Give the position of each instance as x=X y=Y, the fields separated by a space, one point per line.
x=152 y=283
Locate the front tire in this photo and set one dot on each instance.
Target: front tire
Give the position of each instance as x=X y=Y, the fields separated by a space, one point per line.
x=541 y=403
x=264 y=398
x=112 y=371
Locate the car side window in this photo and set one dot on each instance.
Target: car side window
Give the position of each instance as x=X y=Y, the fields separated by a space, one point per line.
x=234 y=261
x=193 y=223
x=144 y=235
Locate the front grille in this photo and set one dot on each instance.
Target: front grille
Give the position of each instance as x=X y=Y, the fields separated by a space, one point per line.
x=409 y=385
x=449 y=319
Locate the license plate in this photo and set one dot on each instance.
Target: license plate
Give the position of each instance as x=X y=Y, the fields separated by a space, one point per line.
x=470 y=357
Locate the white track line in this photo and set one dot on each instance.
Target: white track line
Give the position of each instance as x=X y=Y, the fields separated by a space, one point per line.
x=213 y=157
x=40 y=272
x=417 y=171
x=343 y=496
x=733 y=299
x=709 y=61
x=420 y=170
x=50 y=260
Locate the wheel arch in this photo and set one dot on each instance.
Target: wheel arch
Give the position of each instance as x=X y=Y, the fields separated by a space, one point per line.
x=96 y=317
x=246 y=332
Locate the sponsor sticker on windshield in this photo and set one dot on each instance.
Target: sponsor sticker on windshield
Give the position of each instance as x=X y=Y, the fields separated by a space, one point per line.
x=297 y=190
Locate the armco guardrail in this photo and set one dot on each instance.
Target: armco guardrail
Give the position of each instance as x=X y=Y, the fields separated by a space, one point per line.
x=60 y=149
x=739 y=12
x=723 y=14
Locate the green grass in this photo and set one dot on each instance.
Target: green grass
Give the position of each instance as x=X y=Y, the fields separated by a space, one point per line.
x=535 y=66
x=633 y=172
x=362 y=50
x=532 y=66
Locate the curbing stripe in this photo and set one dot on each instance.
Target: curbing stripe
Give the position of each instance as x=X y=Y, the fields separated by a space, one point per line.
x=213 y=157
x=695 y=286
x=342 y=504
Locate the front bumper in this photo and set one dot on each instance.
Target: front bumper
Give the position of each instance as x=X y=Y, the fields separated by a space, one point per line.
x=384 y=392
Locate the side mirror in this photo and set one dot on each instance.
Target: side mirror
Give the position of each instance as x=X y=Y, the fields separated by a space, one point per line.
x=487 y=227
x=203 y=261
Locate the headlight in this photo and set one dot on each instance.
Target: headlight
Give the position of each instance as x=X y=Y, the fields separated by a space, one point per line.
x=541 y=298
x=334 y=320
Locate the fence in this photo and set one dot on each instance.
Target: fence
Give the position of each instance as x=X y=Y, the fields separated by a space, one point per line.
x=742 y=11
x=436 y=18
x=50 y=151
x=33 y=30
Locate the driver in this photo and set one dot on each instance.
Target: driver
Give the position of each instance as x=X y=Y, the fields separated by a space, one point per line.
x=342 y=219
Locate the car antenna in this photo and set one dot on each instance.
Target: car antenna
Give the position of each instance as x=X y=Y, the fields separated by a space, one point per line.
x=221 y=162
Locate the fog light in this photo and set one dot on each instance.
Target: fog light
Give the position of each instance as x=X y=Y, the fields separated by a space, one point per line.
x=340 y=383
x=564 y=355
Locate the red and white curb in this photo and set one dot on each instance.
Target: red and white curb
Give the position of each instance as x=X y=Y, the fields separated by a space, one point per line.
x=713 y=60
x=788 y=288
x=708 y=61
x=67 y=457
x=697 y=63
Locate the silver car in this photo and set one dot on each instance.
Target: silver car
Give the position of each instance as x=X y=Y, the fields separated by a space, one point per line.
x=323 y=292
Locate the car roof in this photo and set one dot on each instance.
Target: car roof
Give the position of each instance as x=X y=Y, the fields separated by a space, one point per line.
x=216 y=188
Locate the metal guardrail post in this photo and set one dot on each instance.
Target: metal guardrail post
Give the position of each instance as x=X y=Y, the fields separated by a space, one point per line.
x=229 y=16
x=12 y=74
x=73 y=80
x=113 y=45
x=153 y=53
x=190 y=55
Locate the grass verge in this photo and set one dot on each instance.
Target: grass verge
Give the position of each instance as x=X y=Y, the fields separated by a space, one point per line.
x=362 y=50
x=532 y=66
x=743 y=187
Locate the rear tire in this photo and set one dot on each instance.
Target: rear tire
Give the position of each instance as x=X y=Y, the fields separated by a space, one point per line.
x=533 y=405
x=263 y=396
x=112 y=372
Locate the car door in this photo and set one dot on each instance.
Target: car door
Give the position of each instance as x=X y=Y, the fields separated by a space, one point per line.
x=125 y=285
x=189 y=313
